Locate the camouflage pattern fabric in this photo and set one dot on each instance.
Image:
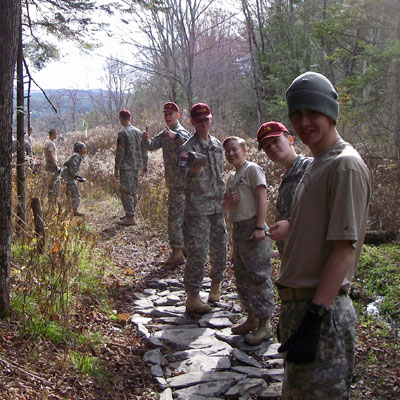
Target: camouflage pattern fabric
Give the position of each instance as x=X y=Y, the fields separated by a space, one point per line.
x=288 y=186
x=130 y=154
x=204 y=191
x=251 y=263
x=170 y=149
x=128 y=187
x=69 y=172
x=329 y=376
x=199 y=232
x=176 y=204
x=74 y=194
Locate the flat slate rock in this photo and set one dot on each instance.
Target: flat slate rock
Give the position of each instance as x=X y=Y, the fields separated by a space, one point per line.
x=194 y=378
x=220 y=349
x=246 y=388
x=209 y=390
x=202 y=363
x=245 y=358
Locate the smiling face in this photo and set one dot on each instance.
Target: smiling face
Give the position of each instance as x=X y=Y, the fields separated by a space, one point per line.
x=202 y=126
x=314 y=129
x=278 y=148
x=235 y=153
x=171 y=118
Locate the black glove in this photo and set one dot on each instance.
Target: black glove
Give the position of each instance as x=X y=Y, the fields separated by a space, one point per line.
x=302 y=346
x=80 y=179
x=58 y=171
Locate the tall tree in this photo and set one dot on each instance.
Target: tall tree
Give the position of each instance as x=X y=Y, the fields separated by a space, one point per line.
x=10 y=11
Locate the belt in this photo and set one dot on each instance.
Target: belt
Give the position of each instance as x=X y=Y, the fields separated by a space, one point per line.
x=244 y=222
x=290 y=294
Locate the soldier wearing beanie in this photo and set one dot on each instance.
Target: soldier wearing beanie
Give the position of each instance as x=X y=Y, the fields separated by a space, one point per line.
x=322 y=247
x=169 y=140
x=130 y=157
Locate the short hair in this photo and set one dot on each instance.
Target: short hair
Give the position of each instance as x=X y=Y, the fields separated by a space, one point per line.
x=52 y=131
x=125 y=114
x=241 y=142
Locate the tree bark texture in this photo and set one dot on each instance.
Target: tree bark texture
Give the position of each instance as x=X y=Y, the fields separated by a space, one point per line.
x=10 y=11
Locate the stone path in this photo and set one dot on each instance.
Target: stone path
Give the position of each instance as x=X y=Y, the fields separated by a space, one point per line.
x=196 y=357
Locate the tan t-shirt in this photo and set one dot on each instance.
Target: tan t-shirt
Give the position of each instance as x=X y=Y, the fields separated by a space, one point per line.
x=331 y=203
x=49 y=147
x=245 y=181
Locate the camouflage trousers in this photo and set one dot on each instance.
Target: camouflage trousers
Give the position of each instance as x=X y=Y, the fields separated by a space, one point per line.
x=54 y=180
x=73 y=193
x=329 y=376
x=128 y=187
x=199 y=232
x=251 y=263
x=176 y=205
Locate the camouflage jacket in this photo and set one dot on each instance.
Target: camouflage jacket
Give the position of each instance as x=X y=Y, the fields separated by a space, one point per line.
x=70 y=167
x=288 y=186
x=204 y=191
x=170 y=148
x=130 y=154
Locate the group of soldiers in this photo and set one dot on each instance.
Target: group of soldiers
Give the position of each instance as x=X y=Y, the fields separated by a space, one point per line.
x=321 y=216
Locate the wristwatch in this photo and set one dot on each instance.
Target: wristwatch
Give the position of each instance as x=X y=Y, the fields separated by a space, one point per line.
x=317 y=309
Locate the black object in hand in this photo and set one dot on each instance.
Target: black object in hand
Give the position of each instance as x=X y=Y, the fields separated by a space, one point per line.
x=80 y=179
x=302 y=345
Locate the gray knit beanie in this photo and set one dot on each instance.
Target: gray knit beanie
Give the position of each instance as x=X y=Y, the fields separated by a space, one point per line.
x=313 y=91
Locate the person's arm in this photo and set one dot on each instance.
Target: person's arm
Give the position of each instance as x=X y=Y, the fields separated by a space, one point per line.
x=119 y=154
x=230 y=198
x=52 y=159
x=152 y=144
x=279 y=230
x=261 y=197
x=335 y=269
x=302 y=345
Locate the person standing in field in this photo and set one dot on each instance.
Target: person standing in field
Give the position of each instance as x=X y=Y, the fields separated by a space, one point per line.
x=51 y=166
x=245 y=199
x=70 y=174
x=169 y=140
x=322 y=247
x=204 y=228
x=130 y=157
x=277 y=143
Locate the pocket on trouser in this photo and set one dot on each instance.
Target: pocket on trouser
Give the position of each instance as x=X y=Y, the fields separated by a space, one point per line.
x=316 y=381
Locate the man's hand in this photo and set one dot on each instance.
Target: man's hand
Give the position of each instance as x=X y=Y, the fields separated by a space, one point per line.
x=258 y=235
x=145 y=134
x=195 y=169
x=302 y=346
x=279 y=230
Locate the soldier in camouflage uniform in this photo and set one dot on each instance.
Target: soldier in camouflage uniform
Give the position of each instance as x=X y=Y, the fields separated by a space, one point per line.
x=277 y=143
x=170 y=139
x=70 y=174
x=130 y=157
x=204 y=225
x=246 y=200
x=322 y=247
x=50 y=155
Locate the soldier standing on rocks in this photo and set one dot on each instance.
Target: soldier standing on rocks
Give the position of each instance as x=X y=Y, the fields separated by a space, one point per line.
x=130 y=157
x=325 y=235
x=277 y=143
x=50 y=155
x=202 y=158
x=70 y=174
x=246 y=200
x=170 y=139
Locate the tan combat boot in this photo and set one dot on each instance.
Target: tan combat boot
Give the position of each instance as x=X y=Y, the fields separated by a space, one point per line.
x=250 y=324
x=176 y=258
x=195 y=305
x=127 y=221
x=263 y=332
x=215 y=292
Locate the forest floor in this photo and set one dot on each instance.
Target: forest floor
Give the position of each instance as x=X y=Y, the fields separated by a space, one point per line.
x=32 y=369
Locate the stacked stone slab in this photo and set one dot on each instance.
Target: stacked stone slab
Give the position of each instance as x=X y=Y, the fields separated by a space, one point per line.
x=196 y=357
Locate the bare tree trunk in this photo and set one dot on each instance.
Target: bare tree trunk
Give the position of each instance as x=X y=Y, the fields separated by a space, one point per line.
x=39 y=224
x=10 y=11
x=21 y=193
